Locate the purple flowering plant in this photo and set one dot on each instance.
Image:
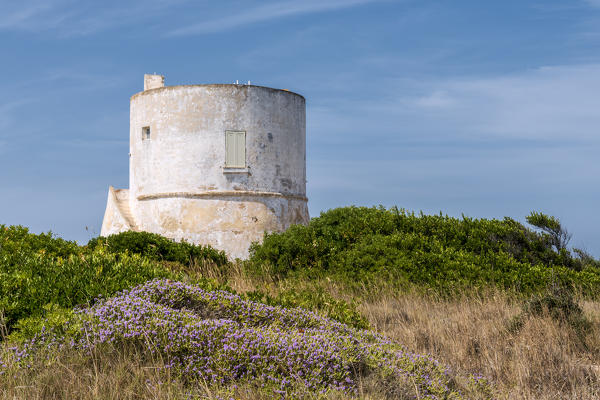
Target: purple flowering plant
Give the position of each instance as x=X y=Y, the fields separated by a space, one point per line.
x=219 y=338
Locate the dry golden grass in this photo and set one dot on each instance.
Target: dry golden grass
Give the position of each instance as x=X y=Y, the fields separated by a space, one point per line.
x=103 y=375
x=543 y=360
x=111 y=374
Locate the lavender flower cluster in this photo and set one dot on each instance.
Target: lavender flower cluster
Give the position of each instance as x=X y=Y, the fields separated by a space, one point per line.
x=220 y=338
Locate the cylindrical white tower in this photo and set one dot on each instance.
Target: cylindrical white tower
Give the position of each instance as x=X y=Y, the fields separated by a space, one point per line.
x=216 y=164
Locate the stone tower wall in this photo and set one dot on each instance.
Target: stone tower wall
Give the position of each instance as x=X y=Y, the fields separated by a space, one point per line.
x=179 y=185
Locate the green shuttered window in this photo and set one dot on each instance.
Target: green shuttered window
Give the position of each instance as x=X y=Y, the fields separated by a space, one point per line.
x=235 y=149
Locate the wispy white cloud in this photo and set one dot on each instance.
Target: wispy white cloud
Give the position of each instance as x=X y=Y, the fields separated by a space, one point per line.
x=65 y=79
x=539 y=125
x=76 y=18
x=593 y=3
x=8 y=110
x=437 y=99
x=266 y=12
x=68 y=18
x=558 y=103
x=33 y=15
x=546 y=103
x=21 y=100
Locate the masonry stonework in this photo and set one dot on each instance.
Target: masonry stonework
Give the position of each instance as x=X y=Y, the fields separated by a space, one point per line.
x=179 y=183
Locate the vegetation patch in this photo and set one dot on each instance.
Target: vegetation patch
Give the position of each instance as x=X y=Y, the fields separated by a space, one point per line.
x=316 y=299
x=160 y=315
x=40 y=273
x=359 y=245
x=219 y=338
x=159 y=248
x=560 y=305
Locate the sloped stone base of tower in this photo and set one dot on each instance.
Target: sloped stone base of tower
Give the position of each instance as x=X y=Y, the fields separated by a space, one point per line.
x=117 y=217
x=226 y=221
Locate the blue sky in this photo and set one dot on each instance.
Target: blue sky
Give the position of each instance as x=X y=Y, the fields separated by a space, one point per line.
x=482 y=108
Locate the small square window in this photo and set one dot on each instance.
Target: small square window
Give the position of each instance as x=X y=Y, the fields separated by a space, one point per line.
x=146 y=133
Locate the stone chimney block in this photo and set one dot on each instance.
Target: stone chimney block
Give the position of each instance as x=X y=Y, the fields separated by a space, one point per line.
x=152 y=81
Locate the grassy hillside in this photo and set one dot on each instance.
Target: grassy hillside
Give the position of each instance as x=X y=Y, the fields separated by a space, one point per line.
x=392 y=306
x=217 y=338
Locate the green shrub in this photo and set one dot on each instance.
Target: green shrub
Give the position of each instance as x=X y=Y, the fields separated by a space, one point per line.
x=448 y=254
x=159 y=248
x=40 y=271
x=42 y=277
x=551 y=226
x=18 y=240
x=53 y=317
x=315 y=299
x=558 y=303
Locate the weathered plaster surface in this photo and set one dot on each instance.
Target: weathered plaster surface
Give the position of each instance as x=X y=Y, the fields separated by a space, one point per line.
x=114 y=221
x=230 y=224
x=186 y=152
x=178 y=184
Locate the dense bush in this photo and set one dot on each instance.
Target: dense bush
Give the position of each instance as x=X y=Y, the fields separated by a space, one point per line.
x=17 y=240
x=358 y=243
x=43 y=277
x=39 y=271
x=159 y=248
